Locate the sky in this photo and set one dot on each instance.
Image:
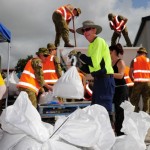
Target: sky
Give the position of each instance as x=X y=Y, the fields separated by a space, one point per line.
x=31 y=25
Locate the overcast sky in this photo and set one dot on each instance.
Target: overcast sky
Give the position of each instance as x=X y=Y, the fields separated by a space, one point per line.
x=31 y=25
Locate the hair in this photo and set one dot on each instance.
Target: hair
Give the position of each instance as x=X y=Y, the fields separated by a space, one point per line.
x=118 y=48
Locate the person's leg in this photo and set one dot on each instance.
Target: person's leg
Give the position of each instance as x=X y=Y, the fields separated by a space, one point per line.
x=135 y=96
x=114 y=38
x=56 y=19
x=126 y=37
x=146 y=96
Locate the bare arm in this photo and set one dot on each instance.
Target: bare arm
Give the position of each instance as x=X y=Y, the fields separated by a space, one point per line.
x=121 y=69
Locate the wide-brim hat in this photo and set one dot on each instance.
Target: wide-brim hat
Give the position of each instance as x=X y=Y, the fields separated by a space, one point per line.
x=142 y=49
x=51 y=46
x=43 y=51
x=89 y=24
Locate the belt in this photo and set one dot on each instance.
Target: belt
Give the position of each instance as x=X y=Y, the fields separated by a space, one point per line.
x=104 y=76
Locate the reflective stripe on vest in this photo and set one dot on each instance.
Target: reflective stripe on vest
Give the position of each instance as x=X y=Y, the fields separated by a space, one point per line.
x=50 y=75
x=89 y=91
x=127 y=77
x=64 y=12
x=141 y=69
x=27 y=79
x=117 y=25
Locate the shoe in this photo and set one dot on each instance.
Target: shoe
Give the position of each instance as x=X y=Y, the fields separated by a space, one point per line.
x=68 y=45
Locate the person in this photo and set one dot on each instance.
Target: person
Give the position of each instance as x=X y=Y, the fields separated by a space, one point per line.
x=97 y=62
x=2 y=91
x=118 y=24
x=140 y=74
x=121 y=89
x=51 y=67
x=128 y=80
x=61 y=18
x=32 y=79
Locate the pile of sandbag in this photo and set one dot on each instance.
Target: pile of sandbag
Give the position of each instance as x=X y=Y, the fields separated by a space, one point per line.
x=87 y=128
x=135 y=127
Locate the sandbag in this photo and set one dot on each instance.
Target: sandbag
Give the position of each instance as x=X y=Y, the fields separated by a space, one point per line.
x=69 y=85
x=135 y=127
x=22 y=117
x=89 y=127
x=13 y=81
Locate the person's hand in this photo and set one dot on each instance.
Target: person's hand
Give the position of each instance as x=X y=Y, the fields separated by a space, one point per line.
x=72 y=30
x=49 y=87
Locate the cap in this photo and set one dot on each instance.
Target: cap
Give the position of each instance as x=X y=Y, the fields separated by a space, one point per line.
x=51 y=46
x=43 y=51
x=142 y=49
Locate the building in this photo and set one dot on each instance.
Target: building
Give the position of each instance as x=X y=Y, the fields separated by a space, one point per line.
x=143 y=34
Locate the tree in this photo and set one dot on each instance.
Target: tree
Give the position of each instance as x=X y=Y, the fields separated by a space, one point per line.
x=21 y=64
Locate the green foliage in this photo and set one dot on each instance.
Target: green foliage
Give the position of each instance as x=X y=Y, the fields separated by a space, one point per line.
x=21 y=64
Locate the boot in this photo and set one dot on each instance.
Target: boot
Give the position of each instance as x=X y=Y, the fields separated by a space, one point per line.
x=68 y=45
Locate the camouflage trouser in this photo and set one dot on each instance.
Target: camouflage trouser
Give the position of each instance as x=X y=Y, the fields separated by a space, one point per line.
x=141 y=89
x=117 y=35
x=61 y=28
x=31 y=95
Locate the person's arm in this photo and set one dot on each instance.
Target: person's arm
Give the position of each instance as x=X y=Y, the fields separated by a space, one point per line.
x=131 y=71
x=38 y=71
x=121 y=70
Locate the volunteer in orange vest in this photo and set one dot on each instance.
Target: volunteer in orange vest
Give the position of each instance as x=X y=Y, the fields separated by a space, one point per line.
x=51 y=67
x=32 y=79
x=61 y=18
x=140 y=74
x=118 y=24
x=128 y=80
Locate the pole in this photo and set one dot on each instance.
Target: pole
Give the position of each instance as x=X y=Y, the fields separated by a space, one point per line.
x=74 y=33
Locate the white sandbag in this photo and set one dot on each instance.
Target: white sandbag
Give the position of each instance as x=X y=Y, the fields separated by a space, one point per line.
x=135 y=127
x=22 y=117
x=28 y=143
x=13 y=81
x=8 y=141
x=89 y=127
x=69 y=85
x=46 y=97
x=52 y=144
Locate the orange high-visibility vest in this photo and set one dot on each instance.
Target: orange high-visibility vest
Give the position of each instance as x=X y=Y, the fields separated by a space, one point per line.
x=141 y=67
x=65 y=13
x=127 y=77
x=118 y=26
x=49 y=71
x=28 y=80
x=88 y=90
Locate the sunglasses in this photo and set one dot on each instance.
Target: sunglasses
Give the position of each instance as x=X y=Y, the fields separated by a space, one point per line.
x=45 y=55
x=86 y=29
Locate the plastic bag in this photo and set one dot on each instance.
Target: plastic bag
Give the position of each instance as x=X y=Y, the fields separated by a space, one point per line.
x=46 y=97
x=69 y=85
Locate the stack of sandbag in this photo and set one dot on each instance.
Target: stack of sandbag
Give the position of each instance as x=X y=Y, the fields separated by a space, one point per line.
x=84 y=129
x=21 y=122
x=135 y=128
